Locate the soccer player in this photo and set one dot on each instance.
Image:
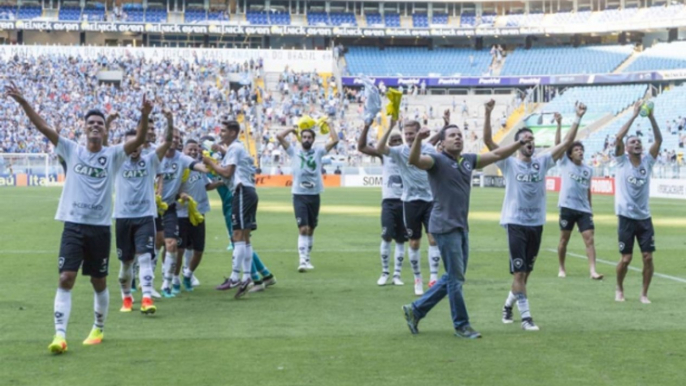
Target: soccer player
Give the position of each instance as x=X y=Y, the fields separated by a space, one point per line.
x=85 y=207
x=392 y=225
x=238 y=171
x=450 y=176
x=524 y=206
x=173 y=165
x=575 y=202
x=134 y=213
x=417 y=201
x=306 y=168
x=631 y=201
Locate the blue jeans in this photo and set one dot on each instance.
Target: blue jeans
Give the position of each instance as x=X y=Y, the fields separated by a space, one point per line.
x=454 y=247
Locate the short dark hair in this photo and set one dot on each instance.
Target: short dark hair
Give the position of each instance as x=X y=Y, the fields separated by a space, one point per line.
x=190 y=141
x=308 y=131
x=412 y=123
x=94 y=112
x=441 y=134
x=232 y=126
x=130 y=133
x=575 y=144
x=631 y=136
x=522 y=130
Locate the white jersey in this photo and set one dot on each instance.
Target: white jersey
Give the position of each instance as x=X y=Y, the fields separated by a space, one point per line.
x=576 y=182
x=415 y=181
x=150 y=149
x=392 y=188
x=525 y=197
x=195 y=186
x=171 y=170
x=134 y=188
x=87 y=194
x=245 y=166
x=633 y=187
x=306 y=167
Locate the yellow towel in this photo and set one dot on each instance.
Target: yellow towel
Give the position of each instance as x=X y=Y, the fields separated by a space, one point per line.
x=194 y=216
x=161 y=205
x=205 y=153
x=323 y=125
x=393 y=108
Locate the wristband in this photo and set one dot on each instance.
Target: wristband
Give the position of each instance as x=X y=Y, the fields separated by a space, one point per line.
x=577 y=120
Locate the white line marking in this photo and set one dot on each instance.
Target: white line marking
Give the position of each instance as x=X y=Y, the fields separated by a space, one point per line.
x=662 y=275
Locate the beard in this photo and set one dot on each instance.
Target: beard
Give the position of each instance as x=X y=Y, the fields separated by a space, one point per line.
x=307 y=145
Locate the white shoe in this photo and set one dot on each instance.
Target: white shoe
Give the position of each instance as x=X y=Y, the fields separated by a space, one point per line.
x=383 y=279
x=397 y=281
x=418 y=287
x=528 y=325
x=302 y=267
x=155 y=294
x=195 y=281
x=309 y=266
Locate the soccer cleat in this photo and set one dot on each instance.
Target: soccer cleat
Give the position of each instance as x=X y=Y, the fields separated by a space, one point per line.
x=58 y=345
x=258 y=287
x=147 y=307
x=302 y=267
x=243 y=289
x=269 y=280
x=155 y=294
x=412 y=321
x=176 y=289
x=383 y=279
x=227 y=285
x=397 y=281
x=309 y=266
x=418 y=287
x=467 y=332
x=432 y=283
x=188 y=283
x=507 y=315
x=127 y=304
x=195 y=281
x=167 y=293
x=528 y=325
x=95 y=337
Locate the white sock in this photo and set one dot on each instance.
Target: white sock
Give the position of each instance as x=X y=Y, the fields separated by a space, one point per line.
x=434 y=261
x=238 y=250
x=187 y=272
x=302 y=248
x=125 y=278
x=523 y=305
x=310 y=244
x=247 y=262
x=399 y=258
x=385 y=255
x=176 y=280
x=414 y=262
x=62 y=311
x=168 y=268
x=187 y=256
x=101 y=302
x=145 y=274
x=511 y=299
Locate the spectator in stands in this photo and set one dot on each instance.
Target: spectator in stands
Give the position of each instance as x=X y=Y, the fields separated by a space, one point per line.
x=465 y=109
x=337 y=171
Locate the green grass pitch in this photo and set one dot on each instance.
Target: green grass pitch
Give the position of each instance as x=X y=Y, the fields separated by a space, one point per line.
x=334 y=325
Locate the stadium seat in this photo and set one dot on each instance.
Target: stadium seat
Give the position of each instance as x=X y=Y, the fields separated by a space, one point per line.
x=662 y=56
x=439 y=18
x=392 y=19
x=195 y=16
x=565 y=60
x=420 y=20
x=374 y=19
x=30 y=12
x=70 y=14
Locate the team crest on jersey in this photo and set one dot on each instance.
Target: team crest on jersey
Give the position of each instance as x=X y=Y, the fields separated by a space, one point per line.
x=141 y=164
x=586 y=173
x=467 y=165
x=642 y=171
x=536 y=166
x=174 y=166
x=102 y=160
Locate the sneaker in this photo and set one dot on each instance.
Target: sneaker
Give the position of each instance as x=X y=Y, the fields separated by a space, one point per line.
x=528 y=325
x=269 y=280
x=167 y=293
x=302 y=267
x=432 y=283
x=309 y=266
x=155 y=294
x=227 y=285
x=418 y=287
x=467 y=332
x=258 y=287
x=188 y=283
x=412 y=321
x=195 y=281
x=58 y=345
x=127 y=304
x=397 y=281
x=95 y=337
x=507 y=315
x=147 y=307
x=176 y=289
x=243 y=289
x=383 y=279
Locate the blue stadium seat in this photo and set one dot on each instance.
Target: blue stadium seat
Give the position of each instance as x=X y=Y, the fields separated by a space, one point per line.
x=257 y=17
x=392 y=19
x=662 y=56
x=195 y=16
x=420 y=20
x=439 y=18
x=565 y=60
x=30 y=12
x=374 y=19
x=70 y=14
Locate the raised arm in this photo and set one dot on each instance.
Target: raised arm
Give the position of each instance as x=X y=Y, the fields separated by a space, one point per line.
x=362 y=145
x=333 y=138
x=281 y=137
x=501 y=153
x=558 y=132
x=655 y=147
x=446 y=122
x=168 y=134
x=382 y=146
x=488 y=135
x=108 y=125
x=13 y=92
x=142 y=133
x=559 y=150
x=619 y=141
x=423 y=162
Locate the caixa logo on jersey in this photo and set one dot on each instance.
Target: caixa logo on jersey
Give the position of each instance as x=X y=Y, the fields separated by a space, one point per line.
x=636 y=181
x=523 y=177
x=90 y=171
x=134 y=173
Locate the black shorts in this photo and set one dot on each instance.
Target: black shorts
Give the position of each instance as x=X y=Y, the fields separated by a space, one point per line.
x=524 y=243
x=170 y=223
x=244 y=208
x=135 y=236
x=392 y=223
x=87 y=244
x=158 y=224
x=306 y=209
x=416 y=213
x=642 y=230
x=191 y=237
x=570 y=217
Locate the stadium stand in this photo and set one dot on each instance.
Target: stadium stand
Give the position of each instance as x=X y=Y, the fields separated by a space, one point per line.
x=7 y=12
x=214 y=15
x=374 y=19
x=662 y=56
x=615 y=15
x=468 y=19
x=562 y=18
x=95 y=12
x=334 y=18
x=257 y=17
x=439 y=18
x=525 y=20
x=134 y=12
x=195 y=16
x=280 y=18
x=599 y=99
x=70 y=13
x=662 y=11
x=156 y=15
x=30 y=12
x=392 y=19
x=565 y=60
x=420 y=20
